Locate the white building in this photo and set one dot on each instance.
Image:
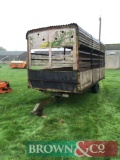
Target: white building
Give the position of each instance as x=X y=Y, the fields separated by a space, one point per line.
x=112 y=56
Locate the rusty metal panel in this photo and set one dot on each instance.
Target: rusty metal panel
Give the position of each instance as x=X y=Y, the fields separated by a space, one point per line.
x=96 y=75
x=85 y=79
x=52 y=38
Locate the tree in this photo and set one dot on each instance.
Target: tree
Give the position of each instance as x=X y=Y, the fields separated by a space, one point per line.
x=2 y=49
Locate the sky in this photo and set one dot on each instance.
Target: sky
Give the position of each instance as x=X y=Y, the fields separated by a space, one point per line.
x=19 y=16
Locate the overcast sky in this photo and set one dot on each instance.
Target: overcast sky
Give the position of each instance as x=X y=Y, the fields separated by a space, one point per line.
x=19 y=16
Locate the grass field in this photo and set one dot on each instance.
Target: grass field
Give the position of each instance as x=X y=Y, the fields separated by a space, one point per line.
x=80 y=117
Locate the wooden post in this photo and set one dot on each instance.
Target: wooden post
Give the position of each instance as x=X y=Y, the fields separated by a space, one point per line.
x=50 y=64
x=100 y=29
x=29 y=53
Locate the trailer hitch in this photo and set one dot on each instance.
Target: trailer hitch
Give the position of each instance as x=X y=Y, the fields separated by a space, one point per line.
x=53 y=97
x=38 y=109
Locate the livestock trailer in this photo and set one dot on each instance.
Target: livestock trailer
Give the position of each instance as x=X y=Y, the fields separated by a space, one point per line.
x=64 y=59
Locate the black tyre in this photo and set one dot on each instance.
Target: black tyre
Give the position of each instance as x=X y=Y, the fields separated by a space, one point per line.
x=95 y=88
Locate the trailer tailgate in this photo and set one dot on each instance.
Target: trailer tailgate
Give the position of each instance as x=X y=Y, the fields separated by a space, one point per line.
x=64 y=81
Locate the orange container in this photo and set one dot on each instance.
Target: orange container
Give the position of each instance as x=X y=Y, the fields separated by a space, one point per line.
x=18 y=64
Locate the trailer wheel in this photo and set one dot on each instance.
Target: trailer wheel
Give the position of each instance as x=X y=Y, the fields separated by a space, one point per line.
x=95 y=88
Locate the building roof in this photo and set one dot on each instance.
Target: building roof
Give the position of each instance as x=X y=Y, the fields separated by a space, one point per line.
x=9 y=53
x=112 y=46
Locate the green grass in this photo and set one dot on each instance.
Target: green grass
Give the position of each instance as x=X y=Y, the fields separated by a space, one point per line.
x=85 y=116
